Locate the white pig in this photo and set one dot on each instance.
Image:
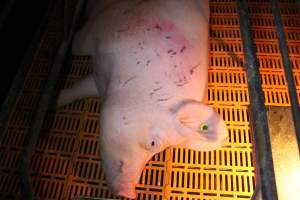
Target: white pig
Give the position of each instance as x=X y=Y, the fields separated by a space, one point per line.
x=150 y=60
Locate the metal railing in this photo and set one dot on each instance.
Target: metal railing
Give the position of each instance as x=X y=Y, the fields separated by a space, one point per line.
x=266 y=186
x=48 y=93
x=259 y=123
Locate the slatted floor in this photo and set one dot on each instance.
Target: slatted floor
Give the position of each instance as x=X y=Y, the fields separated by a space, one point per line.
x=67 y=164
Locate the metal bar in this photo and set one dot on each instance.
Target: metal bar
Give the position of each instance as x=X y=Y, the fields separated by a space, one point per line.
x=5 y=11
x=14 y=90
x=257 y=193
x=287 y=68
x=258 y=117
x=33 y=133
x=91 y=198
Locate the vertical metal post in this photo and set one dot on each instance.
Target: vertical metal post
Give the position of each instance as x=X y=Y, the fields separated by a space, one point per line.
x=257 y=108
x=5 y=11
x=287 y=68
x=19 y=78
x=33 y=133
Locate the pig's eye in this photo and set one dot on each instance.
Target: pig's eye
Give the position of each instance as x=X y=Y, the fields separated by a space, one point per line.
x=204 y=128
x=153 y=145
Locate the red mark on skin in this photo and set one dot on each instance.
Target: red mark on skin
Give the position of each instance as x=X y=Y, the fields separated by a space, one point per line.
x=168 y=42
x=194 y=68
x=182 y=49
x=157 y=26
x=160 y=27
x=162 y=24
x=140 y=21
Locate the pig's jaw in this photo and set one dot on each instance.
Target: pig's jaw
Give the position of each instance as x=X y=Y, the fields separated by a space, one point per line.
x=125 y=182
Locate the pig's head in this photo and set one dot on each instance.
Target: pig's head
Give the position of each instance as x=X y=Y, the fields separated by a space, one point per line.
x=131 y=135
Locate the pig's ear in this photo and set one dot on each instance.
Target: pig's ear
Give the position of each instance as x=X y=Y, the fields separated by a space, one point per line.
x=201 y=126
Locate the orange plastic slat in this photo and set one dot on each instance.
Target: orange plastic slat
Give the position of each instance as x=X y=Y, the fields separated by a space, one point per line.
x=67 y=162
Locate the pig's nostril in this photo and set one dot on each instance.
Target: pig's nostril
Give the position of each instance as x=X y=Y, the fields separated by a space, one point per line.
x=152 y=143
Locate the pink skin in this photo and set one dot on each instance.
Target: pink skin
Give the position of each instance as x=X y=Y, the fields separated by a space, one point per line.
x=125 y=155
x=151 y=73
x=175 y=47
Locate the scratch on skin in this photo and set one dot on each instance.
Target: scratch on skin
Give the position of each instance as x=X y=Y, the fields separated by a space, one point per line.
x=181 y=82
x=125 y=122
x=157 y=54
x=121 y=166
x=148 y=62
x=128 y=80
x=151 y=94
x=168 y=37
x=141 y=47
x=123 y=30
x=156 y=89
x=158 y=27
x=173 y=53
x=126 y=11
x=182 y=49
x=163 y=99
x=180 y=85
x=194 y=68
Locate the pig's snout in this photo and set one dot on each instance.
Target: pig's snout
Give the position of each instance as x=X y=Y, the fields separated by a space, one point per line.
x=126 y=190
x=122 y=179
x=123 y=186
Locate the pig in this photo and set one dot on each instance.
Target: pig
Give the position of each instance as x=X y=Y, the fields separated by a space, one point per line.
x=150 y=69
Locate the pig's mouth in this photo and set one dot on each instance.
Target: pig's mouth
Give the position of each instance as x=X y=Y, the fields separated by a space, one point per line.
x=125 y=182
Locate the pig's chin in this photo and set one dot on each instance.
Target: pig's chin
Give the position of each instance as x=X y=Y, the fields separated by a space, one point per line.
x=124 y=185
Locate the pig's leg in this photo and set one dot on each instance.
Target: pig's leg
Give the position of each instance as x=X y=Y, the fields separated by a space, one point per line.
x=94 y=7
x=83 y=40
x=81 y=89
